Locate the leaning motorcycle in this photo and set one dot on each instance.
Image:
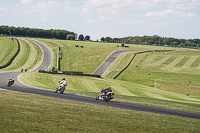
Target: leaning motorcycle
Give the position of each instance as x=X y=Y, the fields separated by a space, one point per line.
x=9 y=82
x=60 y=88
x=105 y=96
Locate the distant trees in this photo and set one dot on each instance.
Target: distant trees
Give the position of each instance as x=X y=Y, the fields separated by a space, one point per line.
x=81 y=37
x=108 y=39
x=33 y=32
x=87 y=38
x=102 y=39
x=70 y=37
x=155 y=39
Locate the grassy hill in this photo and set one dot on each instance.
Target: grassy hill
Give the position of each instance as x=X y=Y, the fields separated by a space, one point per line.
x=33 y=113
x=134 y=85
x=177 y=70
x=85 y=59
x=29 y=57
x=165 y=87
x=7 y=49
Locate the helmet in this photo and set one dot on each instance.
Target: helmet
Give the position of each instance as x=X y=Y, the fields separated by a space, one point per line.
x=63 y=78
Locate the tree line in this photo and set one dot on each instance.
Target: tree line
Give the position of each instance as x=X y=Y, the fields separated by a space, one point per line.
x=34 y=32
x=155 y=39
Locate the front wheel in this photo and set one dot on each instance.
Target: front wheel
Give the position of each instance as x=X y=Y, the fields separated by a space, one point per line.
x=62 y=90
x=56 y=90
x=108 y=98
x=97 y=98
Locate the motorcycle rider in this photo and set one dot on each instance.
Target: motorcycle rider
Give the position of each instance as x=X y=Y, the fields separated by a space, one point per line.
x=105 y=91
x=102 y=92
x=105 y=94
x=12 y=80
x=63 y=83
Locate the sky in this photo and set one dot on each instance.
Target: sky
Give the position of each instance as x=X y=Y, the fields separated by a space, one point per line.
x=106 y=18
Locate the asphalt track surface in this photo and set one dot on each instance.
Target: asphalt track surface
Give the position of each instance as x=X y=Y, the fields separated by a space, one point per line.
x=106 y=64
x=47 y=57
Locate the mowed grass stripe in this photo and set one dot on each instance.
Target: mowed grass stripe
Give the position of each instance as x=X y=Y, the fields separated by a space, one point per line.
x=161 y=61
x=94 y=85
x=169 y=60
x=182 y=61
x=190 y=61
x=174 y=62
x=196 y=63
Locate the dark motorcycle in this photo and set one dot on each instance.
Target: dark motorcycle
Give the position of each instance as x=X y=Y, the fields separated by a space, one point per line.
x=60 y=88
x=9 y=82
x=105 y=94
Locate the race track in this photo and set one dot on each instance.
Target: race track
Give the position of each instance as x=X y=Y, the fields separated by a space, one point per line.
x=47 y=58
x=106 y=64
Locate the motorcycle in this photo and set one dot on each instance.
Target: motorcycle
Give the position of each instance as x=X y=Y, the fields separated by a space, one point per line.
x=9 y=82
x=105 y=95
x=60 y=88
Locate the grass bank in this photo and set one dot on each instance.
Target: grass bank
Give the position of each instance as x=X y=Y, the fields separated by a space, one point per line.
x=88 y=58
x=124 y=91
x=177 y=71
x=31 y=113
x=8 y=48
x=29 y=57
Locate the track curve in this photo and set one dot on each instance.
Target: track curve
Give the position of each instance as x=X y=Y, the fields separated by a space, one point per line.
x=47 y=58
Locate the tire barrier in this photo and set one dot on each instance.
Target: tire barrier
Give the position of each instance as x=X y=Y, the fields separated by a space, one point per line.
x=134 y=57
x=68 y=73
x=10 y=61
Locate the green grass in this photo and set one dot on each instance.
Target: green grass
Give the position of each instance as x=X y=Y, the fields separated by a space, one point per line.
x=7 y=49
x=85 y=59
x=29 y=57
x=182 y=61
x=119 y=64
x=31 y=113
x=158 y=75
x=124 y=91
x=196 y=63
x=174 y=67
x=165 y=87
